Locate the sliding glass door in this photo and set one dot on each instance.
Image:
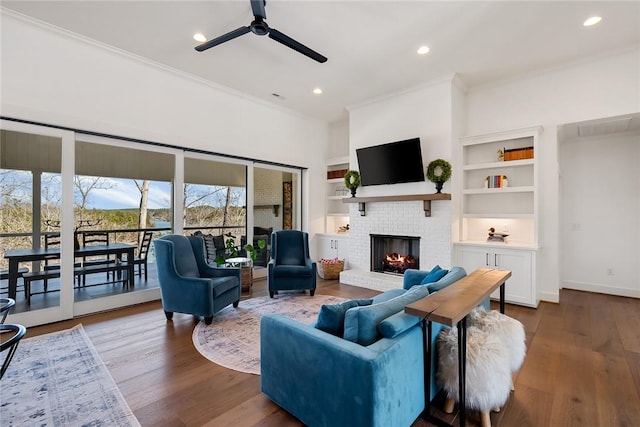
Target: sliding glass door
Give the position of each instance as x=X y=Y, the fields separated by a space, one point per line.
x=34 y=206
x=74 y=207
x=122 y=196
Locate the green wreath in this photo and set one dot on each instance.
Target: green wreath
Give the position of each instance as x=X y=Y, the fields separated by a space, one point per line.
x=444 y=169
x=352 y=179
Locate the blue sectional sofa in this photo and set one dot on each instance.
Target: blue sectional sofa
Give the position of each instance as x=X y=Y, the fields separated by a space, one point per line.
x=372 y=376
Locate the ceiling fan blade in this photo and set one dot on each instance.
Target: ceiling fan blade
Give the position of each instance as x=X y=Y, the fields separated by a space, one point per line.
x=257 y=6
x=295 y=45
x=224 y=38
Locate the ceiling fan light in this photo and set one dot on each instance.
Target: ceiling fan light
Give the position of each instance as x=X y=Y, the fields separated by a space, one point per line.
x=423 y=50
x=199 y=37
x=592 y=21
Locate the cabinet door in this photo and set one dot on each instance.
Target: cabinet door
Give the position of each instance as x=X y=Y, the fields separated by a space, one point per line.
x=471 y=258
x=325 y=247
x=519 y=287
x=342 y=247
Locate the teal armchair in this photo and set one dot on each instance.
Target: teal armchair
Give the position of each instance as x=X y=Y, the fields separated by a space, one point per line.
x=188 y=284
x=290 y=266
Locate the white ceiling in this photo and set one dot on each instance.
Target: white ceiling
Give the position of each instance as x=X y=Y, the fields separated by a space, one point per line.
x=371 y=45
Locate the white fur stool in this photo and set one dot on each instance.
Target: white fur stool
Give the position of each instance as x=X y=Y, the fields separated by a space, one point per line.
x=508 y=330
x=488 y=374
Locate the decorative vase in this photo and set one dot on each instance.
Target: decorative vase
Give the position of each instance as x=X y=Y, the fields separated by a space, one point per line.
x=353 y=192
x=439 y=185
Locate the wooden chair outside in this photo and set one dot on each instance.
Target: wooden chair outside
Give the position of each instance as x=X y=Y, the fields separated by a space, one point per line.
x=90 y=238
x=50 y=241
x=143 y=250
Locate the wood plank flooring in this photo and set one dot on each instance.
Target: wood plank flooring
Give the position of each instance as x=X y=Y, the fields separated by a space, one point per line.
x=582 y=366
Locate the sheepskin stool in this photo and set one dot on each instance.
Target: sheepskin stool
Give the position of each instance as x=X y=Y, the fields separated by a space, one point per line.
x=488 y=376
x=509 y=330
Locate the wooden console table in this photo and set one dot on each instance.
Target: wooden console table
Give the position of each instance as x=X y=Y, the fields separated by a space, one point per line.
x=450 y=307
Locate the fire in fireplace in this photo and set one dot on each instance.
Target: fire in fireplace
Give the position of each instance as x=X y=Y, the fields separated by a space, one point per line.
x=394 y=254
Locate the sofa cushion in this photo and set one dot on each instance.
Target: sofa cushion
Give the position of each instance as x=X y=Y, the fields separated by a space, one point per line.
x=223 y=284
x=331 y=316
x=361 y=323
x=292 y=271
x=434 y=275
x=396 y=324
x=455 y=274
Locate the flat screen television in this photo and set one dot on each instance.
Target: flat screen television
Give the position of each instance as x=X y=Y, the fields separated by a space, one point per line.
x=392 y=163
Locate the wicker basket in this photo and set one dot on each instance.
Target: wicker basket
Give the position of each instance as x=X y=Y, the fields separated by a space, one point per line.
x=330 y=271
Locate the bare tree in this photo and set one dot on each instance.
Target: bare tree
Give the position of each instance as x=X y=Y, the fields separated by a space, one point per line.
x=199 y=202
x=83 y=187
x=143 y=187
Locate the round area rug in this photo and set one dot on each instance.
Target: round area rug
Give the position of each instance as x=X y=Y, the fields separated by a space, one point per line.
x=232 y=340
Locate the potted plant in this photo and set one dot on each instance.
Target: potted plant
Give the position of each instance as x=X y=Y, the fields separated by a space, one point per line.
x=352 y=181
x=231 y=251
x=253 y=252
x=439 y=172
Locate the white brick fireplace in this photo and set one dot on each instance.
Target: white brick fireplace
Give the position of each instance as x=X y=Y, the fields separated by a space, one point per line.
x=404 y=218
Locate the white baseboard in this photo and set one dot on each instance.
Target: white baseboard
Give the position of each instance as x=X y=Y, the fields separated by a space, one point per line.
x=602 y=289
x=549 y=296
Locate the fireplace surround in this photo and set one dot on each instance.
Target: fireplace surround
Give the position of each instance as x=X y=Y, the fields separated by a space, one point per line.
x=402 y=218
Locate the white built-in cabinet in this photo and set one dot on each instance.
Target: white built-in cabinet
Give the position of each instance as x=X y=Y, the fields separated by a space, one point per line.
x=332 y=246
x=520 y=288
x=337 y=213
x=511 y=209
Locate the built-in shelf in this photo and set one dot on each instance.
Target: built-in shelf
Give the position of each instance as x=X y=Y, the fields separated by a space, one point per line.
x=503 y=164
x=527 y=189
x=426 y=198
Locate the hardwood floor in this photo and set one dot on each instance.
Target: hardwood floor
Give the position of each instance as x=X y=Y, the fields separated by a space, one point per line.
x=582 y=366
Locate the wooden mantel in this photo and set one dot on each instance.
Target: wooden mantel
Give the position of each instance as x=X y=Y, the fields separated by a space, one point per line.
x=426 y=198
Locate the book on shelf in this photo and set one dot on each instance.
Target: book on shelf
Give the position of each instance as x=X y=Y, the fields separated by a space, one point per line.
x=496 y=181
x=517 y=153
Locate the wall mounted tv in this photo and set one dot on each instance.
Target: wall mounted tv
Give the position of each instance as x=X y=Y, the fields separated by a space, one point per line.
x=392 y=163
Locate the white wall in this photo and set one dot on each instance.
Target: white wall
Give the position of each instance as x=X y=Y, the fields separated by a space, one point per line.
x=600 y=205
x=338 y=139
x=53 y=77
x=424 y=112
x=603 y=87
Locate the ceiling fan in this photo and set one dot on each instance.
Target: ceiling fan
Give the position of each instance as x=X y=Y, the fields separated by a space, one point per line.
x=260 y=28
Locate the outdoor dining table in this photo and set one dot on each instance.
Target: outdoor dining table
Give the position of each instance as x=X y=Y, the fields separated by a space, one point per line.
x=16 y=256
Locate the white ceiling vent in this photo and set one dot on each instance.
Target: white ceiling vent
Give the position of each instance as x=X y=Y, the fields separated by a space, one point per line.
x=604 y=127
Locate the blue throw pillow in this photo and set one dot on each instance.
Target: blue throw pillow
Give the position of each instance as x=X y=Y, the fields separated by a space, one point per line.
x=331 y=316
x=434 y=275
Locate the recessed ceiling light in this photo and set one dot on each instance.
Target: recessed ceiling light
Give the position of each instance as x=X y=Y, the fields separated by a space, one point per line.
x=317 y=91
x=423 y=50
x=592 y=21
x=199 y=38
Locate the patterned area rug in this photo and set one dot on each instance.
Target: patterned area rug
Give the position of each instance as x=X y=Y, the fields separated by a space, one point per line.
x=58 y=379
x=233 y=339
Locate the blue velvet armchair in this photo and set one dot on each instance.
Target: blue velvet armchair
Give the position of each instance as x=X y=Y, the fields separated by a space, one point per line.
x=188 y=284
x=290 y=266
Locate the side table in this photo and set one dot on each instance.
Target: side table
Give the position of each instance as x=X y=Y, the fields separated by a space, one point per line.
x=246 y=270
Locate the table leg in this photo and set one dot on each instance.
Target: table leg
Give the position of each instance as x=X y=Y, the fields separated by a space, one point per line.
x=426 y=341
x=502 y=298
x=130 y=269
x=13 y=278
x=462 y=368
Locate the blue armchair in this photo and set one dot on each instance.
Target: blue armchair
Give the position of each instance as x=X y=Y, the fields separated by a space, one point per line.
x=188 y=284
x=290 y=266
